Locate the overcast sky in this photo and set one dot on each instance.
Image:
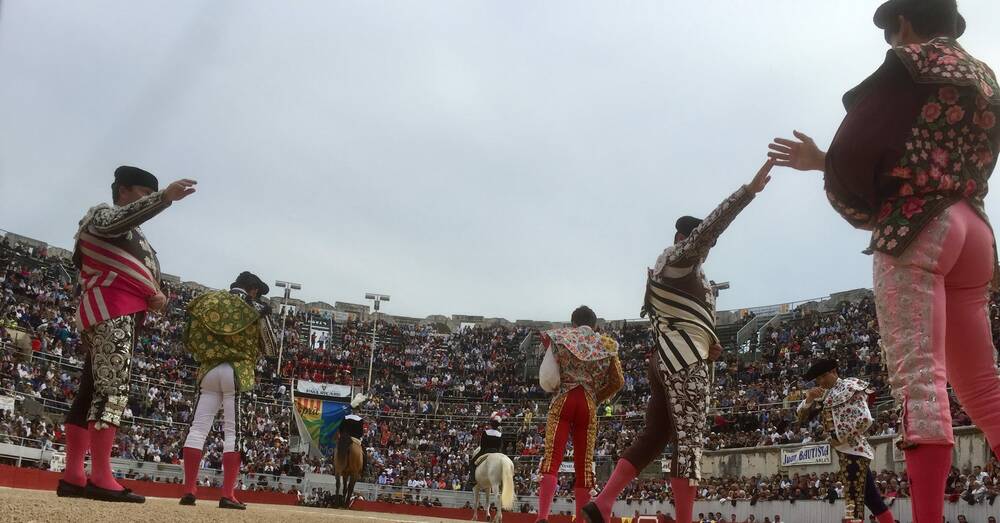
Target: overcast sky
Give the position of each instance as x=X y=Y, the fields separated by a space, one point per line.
x=504 y=158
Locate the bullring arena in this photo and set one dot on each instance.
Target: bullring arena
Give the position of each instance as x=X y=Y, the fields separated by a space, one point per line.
x=611 y=262
x=409 y=441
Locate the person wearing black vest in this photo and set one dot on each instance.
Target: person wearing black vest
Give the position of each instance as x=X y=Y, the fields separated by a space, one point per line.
x=354 y=426
x=490 y=441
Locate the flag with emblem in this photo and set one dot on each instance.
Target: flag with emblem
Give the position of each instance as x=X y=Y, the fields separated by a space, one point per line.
x=318 y=420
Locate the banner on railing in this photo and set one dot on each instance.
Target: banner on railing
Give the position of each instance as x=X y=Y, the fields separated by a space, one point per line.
x=57 y=462
x=568 y=467
x=806 y=455
x=328 y=390
x=7 y=403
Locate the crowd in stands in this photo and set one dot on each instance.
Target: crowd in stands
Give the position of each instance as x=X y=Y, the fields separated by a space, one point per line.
x=977 y=485
x=433 y=391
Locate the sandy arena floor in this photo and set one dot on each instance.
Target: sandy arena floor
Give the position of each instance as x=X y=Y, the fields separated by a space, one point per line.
x=23 y=506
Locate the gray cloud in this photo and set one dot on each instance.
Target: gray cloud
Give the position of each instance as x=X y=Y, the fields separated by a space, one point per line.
x=510 y=159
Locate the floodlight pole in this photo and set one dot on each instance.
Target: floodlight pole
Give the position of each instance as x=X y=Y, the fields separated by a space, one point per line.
x=288 y=286
x=376 y=299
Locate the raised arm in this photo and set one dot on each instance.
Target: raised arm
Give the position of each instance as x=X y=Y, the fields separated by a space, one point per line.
x=115 y=221
x=695 y=248
x=806 y=409
x=110 y=222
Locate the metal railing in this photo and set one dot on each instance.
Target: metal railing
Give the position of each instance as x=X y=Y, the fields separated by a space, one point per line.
x=743 y=335
x=63 y=406
x=776 y=308
x=139 y=378
x=27 y=449
x=31 y=443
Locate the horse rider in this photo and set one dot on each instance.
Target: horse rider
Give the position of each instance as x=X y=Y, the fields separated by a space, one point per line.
x=489 y=442
x=354 y=426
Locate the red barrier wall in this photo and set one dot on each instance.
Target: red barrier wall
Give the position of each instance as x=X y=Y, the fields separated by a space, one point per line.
x=450 y=513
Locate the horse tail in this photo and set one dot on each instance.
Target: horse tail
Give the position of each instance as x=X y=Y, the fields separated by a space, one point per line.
x=507 y=494
x=343 y=448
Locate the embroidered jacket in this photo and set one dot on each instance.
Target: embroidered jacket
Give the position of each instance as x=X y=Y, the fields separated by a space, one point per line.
x=679 y=298
x=118 y=268
x=586 y=359
x=845 y=415
x=224 y=328
x=920 y=135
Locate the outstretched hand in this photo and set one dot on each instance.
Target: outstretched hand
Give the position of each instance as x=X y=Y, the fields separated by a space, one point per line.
x=157 y=302
x=814 y=394
x=802 y=155
x=179 y=190
x=762 y=177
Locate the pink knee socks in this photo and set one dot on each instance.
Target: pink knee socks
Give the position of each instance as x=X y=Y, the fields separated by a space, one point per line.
x=546 y=491
x=77 y=445
x=230 y=471
x=623 y=474
x=101 y=442
x=192 y=461
x=927 y=467
x=684 y=493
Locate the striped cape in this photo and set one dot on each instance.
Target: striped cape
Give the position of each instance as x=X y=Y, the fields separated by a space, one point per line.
x=114 y=282
x=683 y=326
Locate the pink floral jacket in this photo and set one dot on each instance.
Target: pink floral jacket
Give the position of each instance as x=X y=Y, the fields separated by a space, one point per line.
x=920 y=135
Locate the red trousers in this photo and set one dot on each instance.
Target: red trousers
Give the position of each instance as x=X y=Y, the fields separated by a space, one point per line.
x=573 y=412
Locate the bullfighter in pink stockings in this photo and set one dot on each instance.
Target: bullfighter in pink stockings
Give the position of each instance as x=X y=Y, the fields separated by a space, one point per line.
x=226 y=332
x=119 y=282
x=680 y=302
x=911 y=162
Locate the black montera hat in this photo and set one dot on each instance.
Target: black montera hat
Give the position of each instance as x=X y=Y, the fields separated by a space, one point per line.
x=886 y=14
x=248 y=280
x=819 y=368
x=687 y=224
x=128 y=175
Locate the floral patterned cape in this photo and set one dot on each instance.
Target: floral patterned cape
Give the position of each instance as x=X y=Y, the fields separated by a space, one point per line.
x=223 y=328
x=583 y=342
x=847 y=406
x=586 y=359
x=920 y=134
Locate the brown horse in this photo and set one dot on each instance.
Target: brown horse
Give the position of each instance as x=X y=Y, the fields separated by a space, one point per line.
x=348 y=459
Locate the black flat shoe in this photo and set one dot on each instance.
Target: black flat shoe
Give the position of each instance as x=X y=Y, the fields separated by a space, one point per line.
x=592 y=514
x=228 y=503
x=188 y=500
x=69 y=490
x=115 y=496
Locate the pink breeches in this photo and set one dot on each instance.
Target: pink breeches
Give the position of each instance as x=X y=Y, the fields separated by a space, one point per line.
x=932 y=305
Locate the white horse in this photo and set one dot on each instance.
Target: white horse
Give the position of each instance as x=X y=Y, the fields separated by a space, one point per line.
x=497 y=470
